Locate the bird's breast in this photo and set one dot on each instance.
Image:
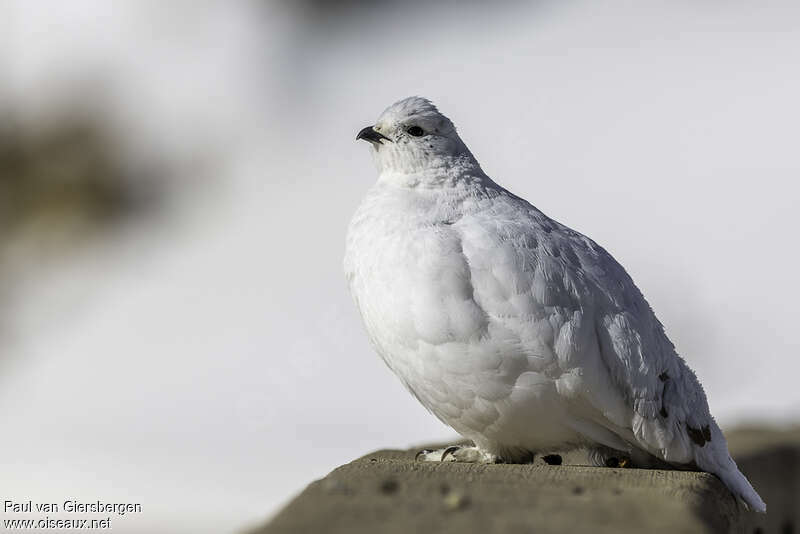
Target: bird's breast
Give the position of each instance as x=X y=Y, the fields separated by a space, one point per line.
x=412 y=282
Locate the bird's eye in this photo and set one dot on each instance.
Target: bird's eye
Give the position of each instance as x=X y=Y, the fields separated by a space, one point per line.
x=416 y=131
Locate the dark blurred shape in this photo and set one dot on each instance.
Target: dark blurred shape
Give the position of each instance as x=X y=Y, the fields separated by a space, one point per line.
x=63 y=180
x=336 y=6
x=327 y=11
x=770 y=458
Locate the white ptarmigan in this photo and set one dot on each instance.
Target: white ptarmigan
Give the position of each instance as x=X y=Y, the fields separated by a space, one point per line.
x=521 y=334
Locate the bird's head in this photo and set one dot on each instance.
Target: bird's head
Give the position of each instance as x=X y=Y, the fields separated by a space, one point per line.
x=412 y=137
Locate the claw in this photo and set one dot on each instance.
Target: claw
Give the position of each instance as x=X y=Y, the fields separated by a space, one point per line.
x=552 y=459
x=622 y=461
x=450 y=450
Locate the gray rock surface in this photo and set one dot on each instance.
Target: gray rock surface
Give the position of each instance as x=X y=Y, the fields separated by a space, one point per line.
x=387 y=491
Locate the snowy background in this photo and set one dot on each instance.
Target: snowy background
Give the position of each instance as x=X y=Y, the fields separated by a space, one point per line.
x=203 y=357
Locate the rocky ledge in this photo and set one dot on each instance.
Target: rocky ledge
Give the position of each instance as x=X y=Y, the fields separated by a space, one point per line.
x=389 y=492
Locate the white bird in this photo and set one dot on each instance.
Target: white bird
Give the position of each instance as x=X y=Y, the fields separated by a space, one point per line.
x=521 y=334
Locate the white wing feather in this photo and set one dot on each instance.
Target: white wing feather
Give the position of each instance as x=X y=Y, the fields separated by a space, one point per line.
x=544 y=268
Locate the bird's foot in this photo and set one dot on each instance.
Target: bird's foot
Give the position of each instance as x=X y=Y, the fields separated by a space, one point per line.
x=553 y=459
x=457 y=453
x=618 y=461
x=607 y=457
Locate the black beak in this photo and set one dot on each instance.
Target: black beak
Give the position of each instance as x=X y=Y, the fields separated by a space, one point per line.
x=369 y=134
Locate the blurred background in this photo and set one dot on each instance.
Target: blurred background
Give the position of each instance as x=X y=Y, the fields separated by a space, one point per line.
x=176 y=179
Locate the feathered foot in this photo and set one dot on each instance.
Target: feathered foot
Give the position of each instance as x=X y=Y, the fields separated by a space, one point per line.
x=607 y=457
x=457 y=453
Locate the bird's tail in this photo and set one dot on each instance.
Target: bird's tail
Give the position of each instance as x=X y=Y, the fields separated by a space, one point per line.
x=741 y=487
x=714 y=458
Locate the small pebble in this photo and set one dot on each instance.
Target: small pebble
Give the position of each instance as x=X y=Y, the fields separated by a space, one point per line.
x=455 y=501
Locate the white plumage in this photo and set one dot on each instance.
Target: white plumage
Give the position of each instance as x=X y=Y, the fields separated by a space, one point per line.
x=521 y=334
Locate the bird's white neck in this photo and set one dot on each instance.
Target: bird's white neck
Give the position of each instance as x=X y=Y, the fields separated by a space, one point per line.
x=400 y=170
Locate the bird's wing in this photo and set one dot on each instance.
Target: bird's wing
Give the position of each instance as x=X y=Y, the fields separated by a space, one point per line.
x=568 y=300
x=598 y=323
